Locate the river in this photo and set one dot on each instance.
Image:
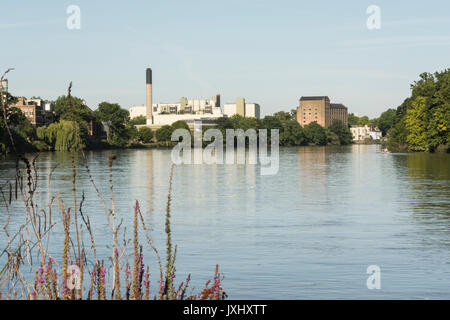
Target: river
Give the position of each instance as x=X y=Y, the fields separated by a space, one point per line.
x=308 y=232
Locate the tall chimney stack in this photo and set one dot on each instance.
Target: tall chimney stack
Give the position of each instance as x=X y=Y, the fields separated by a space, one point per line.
x=149 y=103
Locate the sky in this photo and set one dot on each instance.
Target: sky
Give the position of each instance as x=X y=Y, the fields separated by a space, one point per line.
x=269 y=52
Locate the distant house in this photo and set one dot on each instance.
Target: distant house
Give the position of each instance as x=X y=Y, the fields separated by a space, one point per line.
x=365 y=133
x=32 y=110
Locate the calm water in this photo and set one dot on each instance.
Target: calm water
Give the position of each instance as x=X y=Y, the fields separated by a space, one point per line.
x=309 y=232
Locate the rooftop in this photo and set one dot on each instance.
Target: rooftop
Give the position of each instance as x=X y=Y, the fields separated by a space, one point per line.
x=337 y=106
x=315 y=98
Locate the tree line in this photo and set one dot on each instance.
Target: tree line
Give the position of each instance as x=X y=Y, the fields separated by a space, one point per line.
x=420 y=123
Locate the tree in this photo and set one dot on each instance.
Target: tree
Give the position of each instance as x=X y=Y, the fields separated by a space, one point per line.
x=61 y=136
x=342 y=132
x=19 y=123
x=292 y=134
x=81 y=112
x=416 y=125
x=180 y=124
x=116 y=118
x=164 y=133
x=21 y=129
x=10 y=99
x=139 y=120
x=145 y=134
x=315 y=133
x=332 y=137
x=386 y=120
x=352 y=120
x=223 y=124
x=421 y=122
x=284 y=116
x=271 y=122
x=364 y=120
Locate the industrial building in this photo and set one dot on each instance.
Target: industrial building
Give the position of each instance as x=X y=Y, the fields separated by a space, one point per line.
x=319 y=109
x=189 y=110
x=242 y=108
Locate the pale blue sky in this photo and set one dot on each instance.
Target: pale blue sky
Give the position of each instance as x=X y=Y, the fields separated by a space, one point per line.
x=270 y=52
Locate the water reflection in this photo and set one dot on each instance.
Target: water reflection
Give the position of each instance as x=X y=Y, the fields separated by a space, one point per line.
x=427 y=178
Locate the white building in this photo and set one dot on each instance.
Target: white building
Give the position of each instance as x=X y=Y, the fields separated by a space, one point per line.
x=187 y=110
x=45 y=105
x=137 y=111
x=365 y=133
x=247 y=110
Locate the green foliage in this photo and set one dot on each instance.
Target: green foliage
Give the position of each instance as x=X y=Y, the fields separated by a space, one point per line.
x=10 y=99
x=332 y=138
x=116 y=119
x=81 y=112
x=386 y=120
x=315 y=133
x=364 y=120
x=180 y=124
x=342 y=132
x=164 y=133
x=61 y=136
x=140 y=120
x=145 y=134
x=292 y=134
x=416 y=124
x=21 y=130
x=132 y=132
x=19 y=123
x=422 y=121
x=285 y=116
x=352 y=120
x=271 y=122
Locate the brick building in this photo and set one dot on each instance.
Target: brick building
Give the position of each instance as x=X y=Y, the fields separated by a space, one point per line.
x=320 y=110
x=31 y=110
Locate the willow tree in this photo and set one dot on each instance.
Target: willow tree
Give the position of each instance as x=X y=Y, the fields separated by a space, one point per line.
x=61 y=135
